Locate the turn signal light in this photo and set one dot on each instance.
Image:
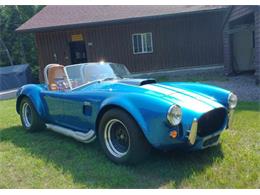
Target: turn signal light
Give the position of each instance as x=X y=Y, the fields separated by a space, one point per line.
x=173 y=134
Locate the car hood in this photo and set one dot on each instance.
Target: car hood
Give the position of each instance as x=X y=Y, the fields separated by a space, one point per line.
x=171 y=92
x=189 y=99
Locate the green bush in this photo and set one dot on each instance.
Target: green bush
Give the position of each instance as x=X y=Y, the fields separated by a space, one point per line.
x=20 y=46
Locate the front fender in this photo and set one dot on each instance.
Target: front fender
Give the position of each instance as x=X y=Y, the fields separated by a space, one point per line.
x=33 y=92
x=149 y=112
x=125 y=103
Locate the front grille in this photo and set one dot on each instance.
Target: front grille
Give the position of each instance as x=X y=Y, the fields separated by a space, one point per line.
x=211 y=141
x=212 y=121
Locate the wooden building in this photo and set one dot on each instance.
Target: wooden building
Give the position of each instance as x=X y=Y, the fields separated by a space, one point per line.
x=144 y=38
x=242 y=40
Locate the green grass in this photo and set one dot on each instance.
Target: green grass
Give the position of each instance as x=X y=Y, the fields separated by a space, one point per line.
x=49 y=160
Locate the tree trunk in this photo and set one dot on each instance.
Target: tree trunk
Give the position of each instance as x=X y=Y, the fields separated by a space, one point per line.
x=7 y=52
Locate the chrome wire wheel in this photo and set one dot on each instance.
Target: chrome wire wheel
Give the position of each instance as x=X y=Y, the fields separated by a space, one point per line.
x=27 y=115
x=116 y=137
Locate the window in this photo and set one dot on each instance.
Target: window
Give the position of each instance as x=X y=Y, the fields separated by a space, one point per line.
x=142 y=43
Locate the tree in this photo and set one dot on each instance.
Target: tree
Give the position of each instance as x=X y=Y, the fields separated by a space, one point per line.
x=21 y=47
x=5 y=50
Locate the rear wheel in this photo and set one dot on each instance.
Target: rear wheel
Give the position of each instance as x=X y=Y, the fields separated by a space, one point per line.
x=29 y=117
x=121 y=137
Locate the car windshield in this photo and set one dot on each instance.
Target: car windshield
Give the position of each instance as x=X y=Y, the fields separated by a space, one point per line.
x=81 y=74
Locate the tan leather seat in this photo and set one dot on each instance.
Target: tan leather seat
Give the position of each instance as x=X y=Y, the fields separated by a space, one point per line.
x=57 y=78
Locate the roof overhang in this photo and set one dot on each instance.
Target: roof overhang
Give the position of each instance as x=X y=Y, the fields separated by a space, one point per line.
x=118 y=21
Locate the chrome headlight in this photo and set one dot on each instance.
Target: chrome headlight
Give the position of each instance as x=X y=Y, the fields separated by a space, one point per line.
x=232 y=101
x=174 y=115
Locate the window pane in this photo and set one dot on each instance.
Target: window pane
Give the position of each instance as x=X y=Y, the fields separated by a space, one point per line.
x=144 y=43
x=139 y=38
x=135 y=44
x=149 y=42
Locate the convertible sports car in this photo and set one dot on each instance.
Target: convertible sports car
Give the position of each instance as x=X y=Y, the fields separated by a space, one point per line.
x=129 y=116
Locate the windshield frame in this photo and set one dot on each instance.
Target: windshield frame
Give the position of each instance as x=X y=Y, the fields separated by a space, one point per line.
x=93 y=81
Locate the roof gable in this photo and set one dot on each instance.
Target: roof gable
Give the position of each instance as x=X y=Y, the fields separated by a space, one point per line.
x=63 y=16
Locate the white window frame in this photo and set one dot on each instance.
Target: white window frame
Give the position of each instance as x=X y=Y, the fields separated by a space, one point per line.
x=142 y=40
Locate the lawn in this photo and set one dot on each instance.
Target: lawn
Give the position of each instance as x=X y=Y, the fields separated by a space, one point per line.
x=49 y=160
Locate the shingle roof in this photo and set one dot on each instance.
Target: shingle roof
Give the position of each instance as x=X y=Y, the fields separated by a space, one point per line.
x=55 y=17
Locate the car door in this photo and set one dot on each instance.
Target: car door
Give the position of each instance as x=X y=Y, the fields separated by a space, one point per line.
x=70 y=110
x=78 y=112
x=54 y=106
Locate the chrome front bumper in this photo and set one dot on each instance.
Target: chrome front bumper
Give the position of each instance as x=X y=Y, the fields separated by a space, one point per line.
x=193 y=137
x=193 y=132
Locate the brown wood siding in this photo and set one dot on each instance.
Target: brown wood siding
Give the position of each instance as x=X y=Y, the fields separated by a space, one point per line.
x=185 y=40
x=257 y=43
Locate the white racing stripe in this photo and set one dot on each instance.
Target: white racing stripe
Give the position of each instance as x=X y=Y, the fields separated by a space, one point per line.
x=183 y=99
x=194 y=95
x=158 y=89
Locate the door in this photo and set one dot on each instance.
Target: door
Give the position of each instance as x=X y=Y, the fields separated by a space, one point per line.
x=54 y=106
x=77 y=113
x=78 y=52
x=68 y=110
x=243 y=50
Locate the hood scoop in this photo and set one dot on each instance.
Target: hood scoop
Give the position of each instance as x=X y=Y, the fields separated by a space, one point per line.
x=138 y=82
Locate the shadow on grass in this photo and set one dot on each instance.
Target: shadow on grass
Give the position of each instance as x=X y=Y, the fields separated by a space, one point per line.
x=89 y=167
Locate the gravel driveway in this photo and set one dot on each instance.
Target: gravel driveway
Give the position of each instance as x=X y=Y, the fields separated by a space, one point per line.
x=243 y=86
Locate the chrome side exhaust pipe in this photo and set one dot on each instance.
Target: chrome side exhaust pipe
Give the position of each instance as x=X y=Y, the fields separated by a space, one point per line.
x=82 y=137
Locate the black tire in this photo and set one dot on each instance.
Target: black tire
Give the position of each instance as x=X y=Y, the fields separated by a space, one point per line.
x=35 y=123
x=137 y=149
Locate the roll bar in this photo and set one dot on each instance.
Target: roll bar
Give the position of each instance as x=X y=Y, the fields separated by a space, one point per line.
x=51 y=66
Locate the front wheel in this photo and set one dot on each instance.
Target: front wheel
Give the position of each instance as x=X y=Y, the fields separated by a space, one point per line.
x=121 y=137
x=30 y=119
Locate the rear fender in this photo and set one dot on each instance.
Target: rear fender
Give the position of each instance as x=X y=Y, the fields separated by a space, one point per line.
x=33 y=92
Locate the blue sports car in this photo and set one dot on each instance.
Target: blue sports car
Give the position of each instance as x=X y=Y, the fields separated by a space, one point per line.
x=129 y=116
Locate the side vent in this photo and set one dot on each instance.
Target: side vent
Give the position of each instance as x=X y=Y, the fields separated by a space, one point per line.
x=87 y=109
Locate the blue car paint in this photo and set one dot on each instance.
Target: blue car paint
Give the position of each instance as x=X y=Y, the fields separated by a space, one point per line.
x=212 y=92
x=148 y=105
x=34 y=93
